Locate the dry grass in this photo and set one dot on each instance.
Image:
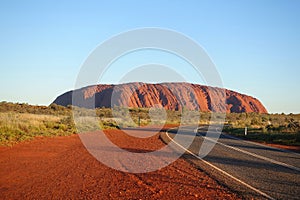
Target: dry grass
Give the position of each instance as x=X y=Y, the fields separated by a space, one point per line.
x=15 y=127
x=20 y=122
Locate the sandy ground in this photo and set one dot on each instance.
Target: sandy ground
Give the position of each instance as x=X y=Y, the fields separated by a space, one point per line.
x=286 y=147
x=61 y=168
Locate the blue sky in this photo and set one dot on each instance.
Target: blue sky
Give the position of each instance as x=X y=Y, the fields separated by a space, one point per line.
x=254 y=44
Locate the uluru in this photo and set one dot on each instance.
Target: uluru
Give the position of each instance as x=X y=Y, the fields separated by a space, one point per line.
x=171 y=96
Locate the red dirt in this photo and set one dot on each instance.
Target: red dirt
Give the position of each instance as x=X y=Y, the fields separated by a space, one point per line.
x=286 y=147
x=61 y=168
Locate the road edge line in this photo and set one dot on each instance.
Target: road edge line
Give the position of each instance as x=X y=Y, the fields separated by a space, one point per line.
x=220 y=170
x=282 y=164
x=259 y=144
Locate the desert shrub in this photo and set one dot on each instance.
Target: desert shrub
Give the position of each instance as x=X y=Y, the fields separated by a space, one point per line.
x=297 y=138
x=109 y=125
x=53 y=109
x=19 y=121
x=15 y=127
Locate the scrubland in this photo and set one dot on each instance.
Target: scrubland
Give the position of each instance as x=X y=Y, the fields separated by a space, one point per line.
x=20 y=122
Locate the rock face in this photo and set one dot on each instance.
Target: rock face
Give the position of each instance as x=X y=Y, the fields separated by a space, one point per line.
x=172 y=96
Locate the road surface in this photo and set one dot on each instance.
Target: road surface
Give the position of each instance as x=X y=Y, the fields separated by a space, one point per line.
x=253 y=170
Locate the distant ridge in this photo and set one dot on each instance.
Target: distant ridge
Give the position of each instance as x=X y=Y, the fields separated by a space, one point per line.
x=172 y=96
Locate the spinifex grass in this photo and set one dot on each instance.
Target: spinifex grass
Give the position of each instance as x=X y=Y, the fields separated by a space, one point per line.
x=15 y=127
x=19 y=122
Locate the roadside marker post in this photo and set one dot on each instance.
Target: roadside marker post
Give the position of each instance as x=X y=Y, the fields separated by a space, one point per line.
x=246 y=130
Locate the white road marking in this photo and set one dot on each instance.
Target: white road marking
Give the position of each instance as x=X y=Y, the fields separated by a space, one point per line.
x=222 y=171
x=258 y=144
x=256 y=155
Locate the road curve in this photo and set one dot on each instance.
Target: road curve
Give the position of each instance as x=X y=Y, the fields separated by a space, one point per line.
x=253 y=170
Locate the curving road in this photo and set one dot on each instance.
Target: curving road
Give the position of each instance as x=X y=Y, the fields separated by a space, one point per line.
x=251 y=169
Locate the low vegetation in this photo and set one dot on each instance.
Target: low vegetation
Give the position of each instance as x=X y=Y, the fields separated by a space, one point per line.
x=20 y=122
x=270 y=128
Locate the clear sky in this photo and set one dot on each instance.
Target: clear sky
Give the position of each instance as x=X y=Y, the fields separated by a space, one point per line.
x=254 y=44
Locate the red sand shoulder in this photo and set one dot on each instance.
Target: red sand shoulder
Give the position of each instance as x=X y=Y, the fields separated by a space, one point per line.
x=286 y=147
x=61 y=168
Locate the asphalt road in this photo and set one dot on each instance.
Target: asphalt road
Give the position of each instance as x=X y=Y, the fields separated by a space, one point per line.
x=253 y=170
